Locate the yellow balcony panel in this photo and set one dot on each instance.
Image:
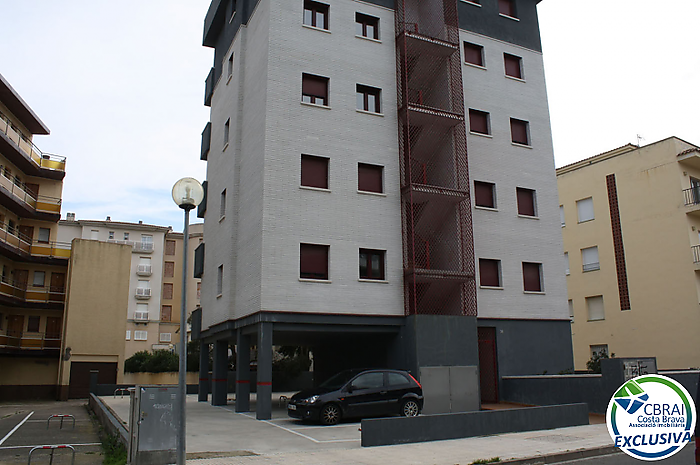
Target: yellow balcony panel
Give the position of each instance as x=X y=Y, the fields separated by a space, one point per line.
x=51 y=249
x=49 y=207
x=28 y=149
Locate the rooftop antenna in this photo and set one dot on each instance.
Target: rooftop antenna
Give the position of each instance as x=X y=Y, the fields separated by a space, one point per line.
x=639 y=140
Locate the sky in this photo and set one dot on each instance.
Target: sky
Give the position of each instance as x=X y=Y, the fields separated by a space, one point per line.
x=121 y=87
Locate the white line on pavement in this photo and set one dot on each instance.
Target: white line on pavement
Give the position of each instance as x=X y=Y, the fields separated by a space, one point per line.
x=7 y=436
x=39 y=445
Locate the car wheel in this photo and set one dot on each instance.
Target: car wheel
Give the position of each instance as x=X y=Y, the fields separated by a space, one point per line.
x=410 y=408
x=330 y=414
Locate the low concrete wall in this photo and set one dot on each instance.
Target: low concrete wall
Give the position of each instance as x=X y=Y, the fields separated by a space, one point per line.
x=108 y=419
x=402 y=430
x=689 y=380
x=159 y=378
x=555 y=390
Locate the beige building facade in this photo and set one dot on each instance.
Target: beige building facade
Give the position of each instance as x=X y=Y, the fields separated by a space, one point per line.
x=630 y=221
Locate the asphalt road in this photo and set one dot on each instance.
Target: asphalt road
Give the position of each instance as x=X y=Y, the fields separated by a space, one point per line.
x=684 y=457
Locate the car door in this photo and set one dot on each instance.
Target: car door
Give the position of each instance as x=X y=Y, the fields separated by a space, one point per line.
x=366 y=395
x=397 y=387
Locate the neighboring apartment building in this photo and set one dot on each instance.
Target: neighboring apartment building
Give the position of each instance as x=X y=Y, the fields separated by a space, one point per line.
x=630 y=219
x=375 y=175
x=34 y=264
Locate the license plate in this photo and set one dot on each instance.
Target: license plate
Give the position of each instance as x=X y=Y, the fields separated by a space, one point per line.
x=291 y=407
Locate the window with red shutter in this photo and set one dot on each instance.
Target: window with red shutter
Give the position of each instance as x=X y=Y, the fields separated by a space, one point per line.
x=314 y=171
x=473 y=54
x=526 y=202
x=519 y=131
x=507 y=7
x=484 y=194
x=167 y=291
x=314 y=89
x=532 y=273
x=369 y=178
x=479 y=122
x=489 y=272
x=313 y=261
x=513 y=65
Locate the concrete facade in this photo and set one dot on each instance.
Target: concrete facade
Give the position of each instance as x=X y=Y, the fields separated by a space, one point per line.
x=659 y=233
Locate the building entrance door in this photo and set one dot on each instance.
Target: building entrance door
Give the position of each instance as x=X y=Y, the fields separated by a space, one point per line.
x=15 y=326
x=488 y=368
x=53 y=332
x=58 y=287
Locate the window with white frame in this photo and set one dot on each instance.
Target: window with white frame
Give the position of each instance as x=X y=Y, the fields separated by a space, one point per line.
x=94 y=234
x=220 y=280
x=111 y=235
x=561 y=215
x=44 y=235
x=596 y=308
x=144 y=288
x=566 y=257
x=141 y=313
x=589 y=259
x=144 y=265
x=165 y=337
x=140 y=335
x=39 y=278
x=585 y=210
x=128 y=334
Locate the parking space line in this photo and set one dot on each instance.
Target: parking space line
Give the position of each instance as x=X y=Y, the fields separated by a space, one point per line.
x=40 y=445
x=294 y=432
x=7 y=436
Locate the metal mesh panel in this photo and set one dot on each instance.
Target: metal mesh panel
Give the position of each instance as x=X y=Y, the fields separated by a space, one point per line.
x=436 y=213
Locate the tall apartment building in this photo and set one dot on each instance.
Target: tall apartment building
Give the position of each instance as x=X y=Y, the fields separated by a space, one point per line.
x=630 y=219
x=380 y=187
x=34 y=264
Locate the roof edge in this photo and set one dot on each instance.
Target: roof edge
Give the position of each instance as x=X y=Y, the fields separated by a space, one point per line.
x=20 y=109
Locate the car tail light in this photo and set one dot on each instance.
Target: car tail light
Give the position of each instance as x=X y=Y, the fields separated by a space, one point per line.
x=414 y=379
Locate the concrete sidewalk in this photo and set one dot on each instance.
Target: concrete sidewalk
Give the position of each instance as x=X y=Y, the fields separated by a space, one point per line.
x=459 y=451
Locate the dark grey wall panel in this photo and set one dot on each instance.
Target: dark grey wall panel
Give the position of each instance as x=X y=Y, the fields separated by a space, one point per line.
x=486 y=20
x=402 y=430
x=551 y=390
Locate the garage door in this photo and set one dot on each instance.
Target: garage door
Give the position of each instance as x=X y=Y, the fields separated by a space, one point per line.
x=79 y=387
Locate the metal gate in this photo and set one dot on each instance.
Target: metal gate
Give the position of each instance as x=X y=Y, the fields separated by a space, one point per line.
x=488 y=369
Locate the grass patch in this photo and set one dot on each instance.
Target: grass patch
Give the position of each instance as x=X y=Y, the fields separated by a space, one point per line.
x=113 y=450
x=491 y=460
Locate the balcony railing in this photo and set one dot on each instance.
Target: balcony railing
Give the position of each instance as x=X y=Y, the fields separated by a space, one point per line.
x=32 y=294
x=691 y=196
x=141 y=316
x=696 y=254
x=143 y=293
x=39 y=158
x=136 y=247
x=24 y=245
x=30 y=341
x=144 y=270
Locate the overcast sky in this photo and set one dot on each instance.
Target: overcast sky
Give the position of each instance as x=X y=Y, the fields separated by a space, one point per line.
x=121 y=85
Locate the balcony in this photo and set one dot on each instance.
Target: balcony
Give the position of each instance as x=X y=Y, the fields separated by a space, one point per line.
x=143 y=293
x=136 y=247
x=23 y=295
x=141 y=317
x=696 y=256
x=691 y=198
x=21 y=247
x=21 y=200
x=144 y=270
x=209 y=87
x=18 y=340
x=29 y=158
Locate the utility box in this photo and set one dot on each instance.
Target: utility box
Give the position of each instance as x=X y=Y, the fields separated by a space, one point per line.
x=450 y=389
x=154 y=422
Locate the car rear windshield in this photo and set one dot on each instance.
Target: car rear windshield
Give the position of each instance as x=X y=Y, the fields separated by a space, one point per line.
x=339 y=380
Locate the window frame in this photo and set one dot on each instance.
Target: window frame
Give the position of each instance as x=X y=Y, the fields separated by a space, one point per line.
x=474 y=48
x=143 y=335
x=477 y=196
x=540 y=277
x=222 y=205
x=312 y=80
x=165 y=337
x=532 y=195
x=473 y=115
x=579 y=204
x=484 y=263
x=514 y=60
x=33 y=324
x=589 y=315
x=512 y=10
x=47 y=232
x=220 y=280
x=364 y=24
x=316 y=8
x=43 y=280
x=520 y=124
x=306 y=255
x=371 y=253
x=227 y=132
x=364 y=173
x=308 y=171
x=587 y=266
x=364 y=93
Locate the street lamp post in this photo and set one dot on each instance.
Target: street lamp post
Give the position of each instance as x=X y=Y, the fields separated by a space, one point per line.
x=187 y=194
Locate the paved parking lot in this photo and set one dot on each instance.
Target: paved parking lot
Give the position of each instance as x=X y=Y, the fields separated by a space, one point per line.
x=24 y=426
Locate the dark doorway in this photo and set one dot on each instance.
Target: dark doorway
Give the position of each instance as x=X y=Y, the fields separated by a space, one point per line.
x=57 y=289
x=488 y=368
x=15 y=326
x=79 y=385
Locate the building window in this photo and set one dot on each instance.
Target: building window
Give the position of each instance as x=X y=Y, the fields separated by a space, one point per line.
x=566 y=258
x=167 y=290
x=199 y=290
x=596 y=308
x=94 y=234
x=571 y=310
x=370 y=178
x=141 y=312
x=169 y=247
x=372 y=264
x=368 y=98
x=366 y=26
x=599 y=350
x=44 y=235
x=39 y=279
x=484 y=194
x=589 y=259
x=128 y=335
x=513 y=65
x=126 y=236
x=532 y=277
x=110 y=235
x=229 y=67
x=313 y=261
x=169 y=270
x=527 y=202
x=561 y=215
x=222 y=204
x=140 y=335
x=314 y=171
x=474 y=54
x=520 y=131
x=33 y=324
x=507 y=8
x=489 y=272
x=232 y=9
x=314 y=89
x=479 y=122
x=166 y=313
x=220 y=280
x=316 y=14
x=585 y=210
x=165 y=337
x=227 y=127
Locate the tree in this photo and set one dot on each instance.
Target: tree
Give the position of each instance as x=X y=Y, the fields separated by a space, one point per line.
x=593 y=364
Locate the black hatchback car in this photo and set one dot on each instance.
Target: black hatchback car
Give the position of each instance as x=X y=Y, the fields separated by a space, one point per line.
x=358 y=394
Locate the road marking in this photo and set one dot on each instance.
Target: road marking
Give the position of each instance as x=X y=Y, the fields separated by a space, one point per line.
x=7 y=436
x=29 y=447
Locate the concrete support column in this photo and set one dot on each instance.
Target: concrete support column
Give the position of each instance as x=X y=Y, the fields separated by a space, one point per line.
x=263 y=409
x=203 y=372
x=219 y=373
x=242 y=372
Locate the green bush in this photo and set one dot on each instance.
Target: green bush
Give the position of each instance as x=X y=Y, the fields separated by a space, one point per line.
x=593 y=364
x=161 y=361
x=134 y=364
